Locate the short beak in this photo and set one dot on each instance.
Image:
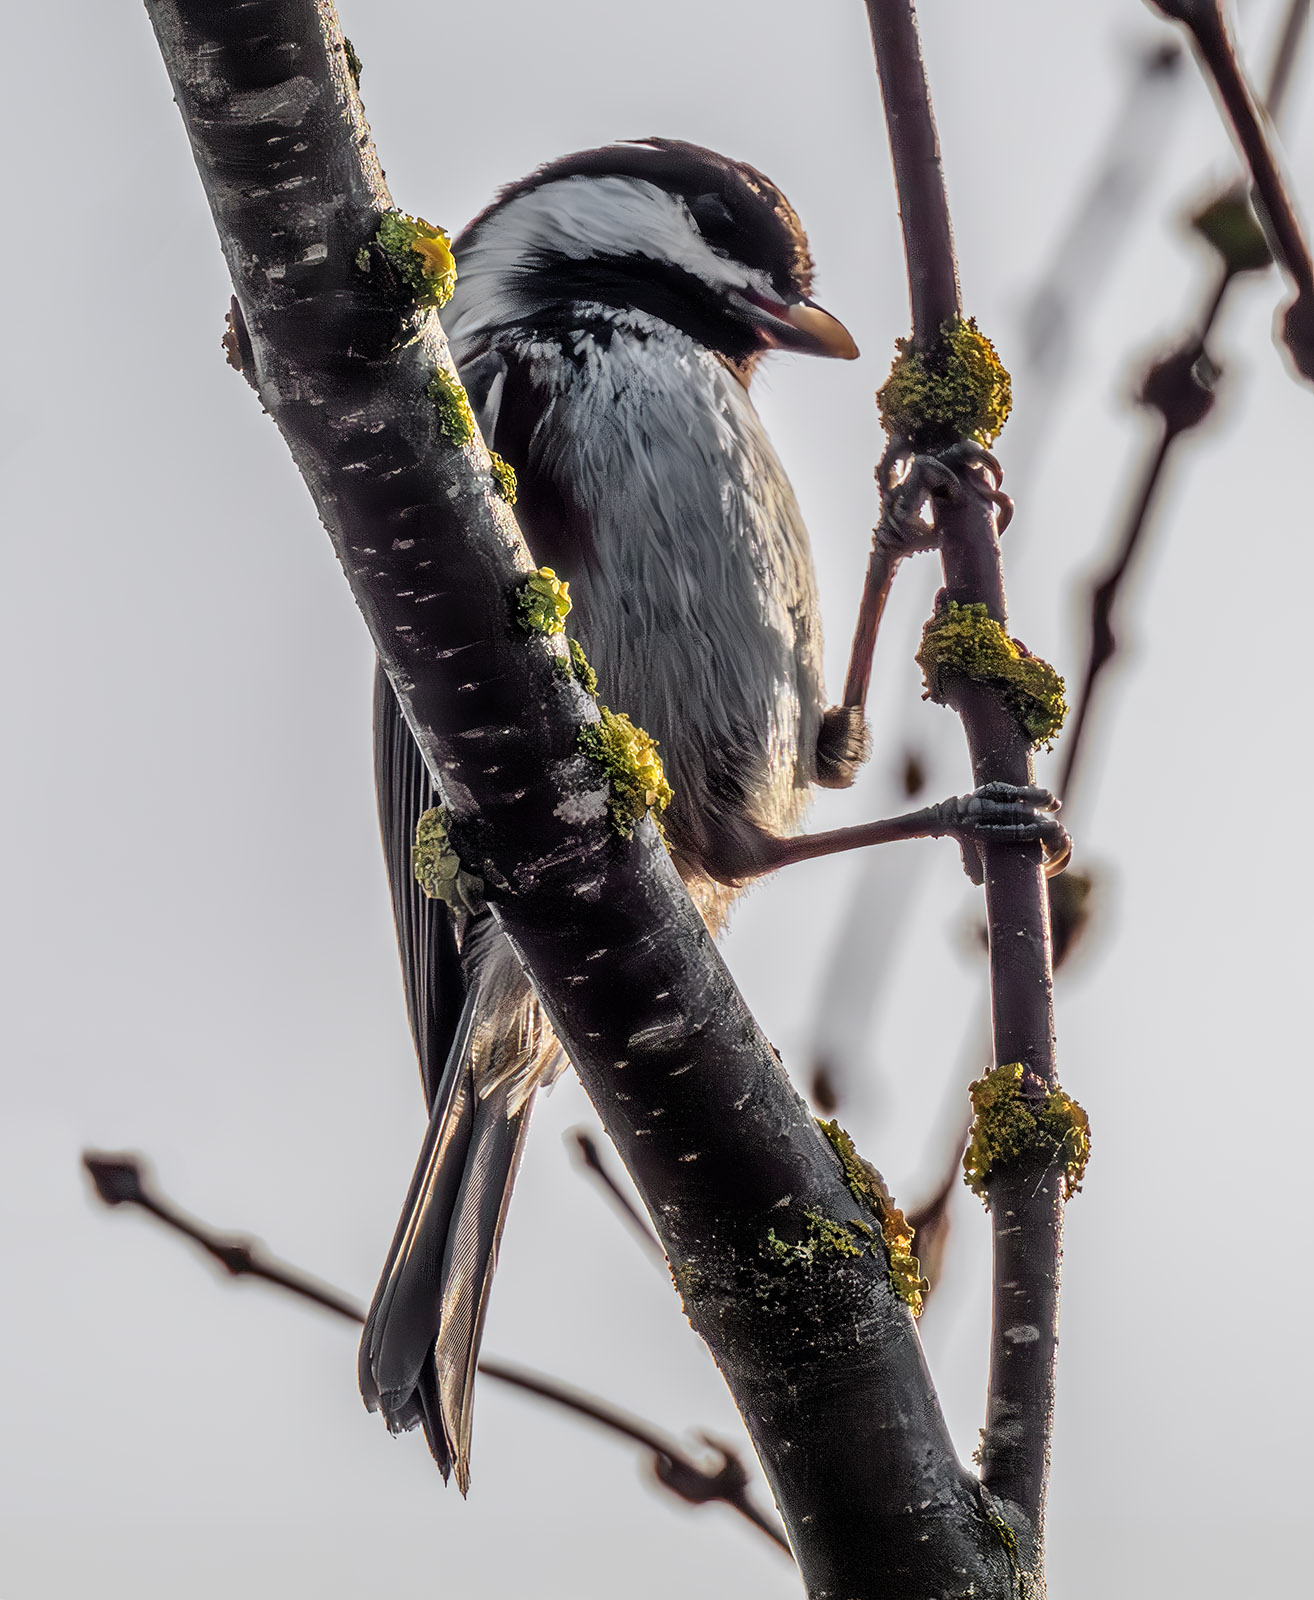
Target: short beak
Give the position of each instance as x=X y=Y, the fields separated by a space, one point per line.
x=802 y=327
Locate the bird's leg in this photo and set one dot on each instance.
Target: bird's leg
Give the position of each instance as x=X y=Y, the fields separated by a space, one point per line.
x=914 y=488
x=996 y=813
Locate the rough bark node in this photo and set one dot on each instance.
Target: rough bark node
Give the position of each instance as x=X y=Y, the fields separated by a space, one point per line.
x=823 y=1360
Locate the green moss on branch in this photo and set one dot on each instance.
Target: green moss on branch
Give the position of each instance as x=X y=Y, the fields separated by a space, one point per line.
x=504 y=477
x=1009 y=1126
x=455 y=418
x=543 y=602
x=965 y=641
x=634 y=769
x=824 y=1237
x=869 y=1189
x=960 y=390
x=420 y=255
x=437 y=867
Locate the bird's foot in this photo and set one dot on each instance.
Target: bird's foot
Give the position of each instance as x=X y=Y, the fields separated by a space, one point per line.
x=915 y=488
x=1002 y=813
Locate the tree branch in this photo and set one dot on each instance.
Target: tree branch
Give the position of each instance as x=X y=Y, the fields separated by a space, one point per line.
x=121 y=1179
x=1181 y=387
x=1025 y=1197
x=1206 y=21
x=928 y=240
x=591 y=1160
x=819 y=1351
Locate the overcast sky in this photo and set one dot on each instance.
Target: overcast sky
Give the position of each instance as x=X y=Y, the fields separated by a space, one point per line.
x=197 y=954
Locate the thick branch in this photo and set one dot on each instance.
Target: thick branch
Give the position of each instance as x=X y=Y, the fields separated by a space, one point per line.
x=823 y=1360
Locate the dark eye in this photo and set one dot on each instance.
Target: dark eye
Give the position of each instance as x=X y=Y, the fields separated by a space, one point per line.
x=715 y=220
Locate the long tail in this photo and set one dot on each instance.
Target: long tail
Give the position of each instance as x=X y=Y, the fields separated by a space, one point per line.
x=421 y=1340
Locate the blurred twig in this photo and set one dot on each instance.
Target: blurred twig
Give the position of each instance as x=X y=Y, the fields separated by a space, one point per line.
x=1087 y=249
x=1208 y=24
x=930 y=1220
x=123 y=1179
x=1181 y=388
x=590 y=1158
x=674 y=1467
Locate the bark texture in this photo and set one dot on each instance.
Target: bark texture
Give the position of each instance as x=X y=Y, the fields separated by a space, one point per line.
x=822 y=1357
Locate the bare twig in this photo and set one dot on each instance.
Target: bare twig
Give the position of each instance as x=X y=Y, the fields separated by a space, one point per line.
x=674 y=1467
x=123 y=1179
x=1026 y=1197
x=928 y=239
x=1181 y=388
x=1207 y=23
x=591 y=1159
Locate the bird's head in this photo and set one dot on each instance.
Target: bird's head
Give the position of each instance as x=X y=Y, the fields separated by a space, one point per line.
x=656 y=231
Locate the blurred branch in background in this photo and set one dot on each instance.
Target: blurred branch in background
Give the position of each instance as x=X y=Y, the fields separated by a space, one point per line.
x=123 y=1179
x=1181 y=387
x=1208 y=23
x=1082 y=261
x=589 y=1158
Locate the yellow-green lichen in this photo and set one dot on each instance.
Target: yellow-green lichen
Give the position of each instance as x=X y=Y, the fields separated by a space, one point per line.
x=824 y=1237
x=1009 y=1126
x=965 y=640
x=504 y=477
x=420 y=255
x=869 y=1189
x=634 y=769
x=960 y=390
x=437 y=867
x=1006 y=1535
x=582 y=672
x=353 y=60
x=543 y=602
x=455 y=418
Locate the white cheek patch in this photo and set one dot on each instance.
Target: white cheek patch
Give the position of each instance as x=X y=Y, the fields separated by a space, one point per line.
x=579 y=217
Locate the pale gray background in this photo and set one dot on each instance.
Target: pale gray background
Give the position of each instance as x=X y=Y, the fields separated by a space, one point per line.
x=197 y=956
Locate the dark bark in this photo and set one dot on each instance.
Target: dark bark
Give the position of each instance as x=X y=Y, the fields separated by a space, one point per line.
x=823 y=1359
x=928 y=239
x=1025 y=1203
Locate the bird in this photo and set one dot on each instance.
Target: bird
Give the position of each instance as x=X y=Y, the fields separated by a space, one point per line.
x=609 y=313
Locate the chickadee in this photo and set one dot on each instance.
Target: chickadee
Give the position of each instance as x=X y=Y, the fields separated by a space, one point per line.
x=608 y=316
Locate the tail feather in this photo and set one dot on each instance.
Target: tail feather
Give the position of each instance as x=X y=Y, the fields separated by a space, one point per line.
x=403 y=1318
x=420 y=1346
x=490 y=1172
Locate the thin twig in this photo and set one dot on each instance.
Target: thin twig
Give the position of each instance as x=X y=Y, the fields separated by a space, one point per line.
x=674 y=1467
x=930 y=1220
x=123 y=1179
x=1025 y=1198
x=1181 y=388
x=928 y=238
x=590 y=1158
x=1207 y=23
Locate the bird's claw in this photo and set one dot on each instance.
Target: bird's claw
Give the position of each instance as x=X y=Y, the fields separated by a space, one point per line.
x=1005 y=813
x=914 y=486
